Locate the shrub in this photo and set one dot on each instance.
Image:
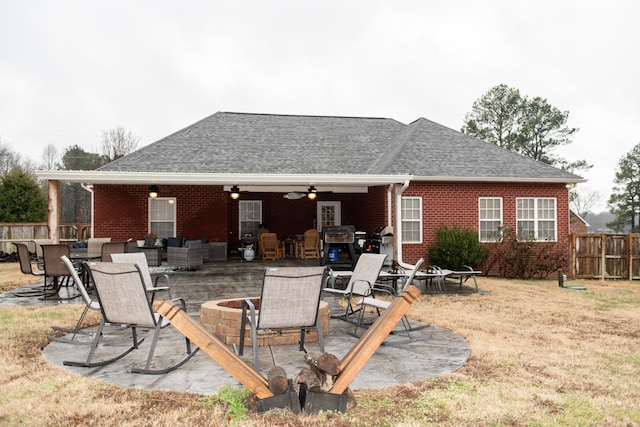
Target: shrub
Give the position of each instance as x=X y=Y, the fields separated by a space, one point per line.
x=525 y=259
x=456 y=247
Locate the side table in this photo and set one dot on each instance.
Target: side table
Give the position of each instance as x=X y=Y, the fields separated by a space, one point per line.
x=153 y=254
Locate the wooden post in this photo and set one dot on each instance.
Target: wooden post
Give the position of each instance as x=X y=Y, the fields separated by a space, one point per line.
x=53 y=217
x=362 y=351
x=215 y=349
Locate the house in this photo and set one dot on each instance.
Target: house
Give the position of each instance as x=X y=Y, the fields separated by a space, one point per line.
x=368 y=172
x=577 y=224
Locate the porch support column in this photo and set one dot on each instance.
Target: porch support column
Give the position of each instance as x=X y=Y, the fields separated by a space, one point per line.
x=53 y=217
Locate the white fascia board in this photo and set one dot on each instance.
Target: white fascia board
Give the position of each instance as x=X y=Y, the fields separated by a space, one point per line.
x=498 y=179
x=108 y=177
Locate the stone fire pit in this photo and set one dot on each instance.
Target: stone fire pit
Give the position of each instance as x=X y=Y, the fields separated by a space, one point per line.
x=222 y=318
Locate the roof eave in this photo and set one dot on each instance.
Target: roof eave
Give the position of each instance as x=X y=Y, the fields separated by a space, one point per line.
x=548 y=180
x=107 y=177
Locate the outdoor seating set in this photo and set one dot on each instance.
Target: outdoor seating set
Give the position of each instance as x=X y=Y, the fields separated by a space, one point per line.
x=289 y=300
x=48 y=264
x=306 y=246
x=120 y=286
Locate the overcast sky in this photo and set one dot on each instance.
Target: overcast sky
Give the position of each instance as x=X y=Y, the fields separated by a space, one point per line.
x=71 y=69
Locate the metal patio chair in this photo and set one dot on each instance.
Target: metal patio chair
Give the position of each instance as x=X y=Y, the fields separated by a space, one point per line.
x=290 y=299
x=123 y=301
x=150 y=281
x=109 y=248
x=91 y=303
x=55 y=270
x=370 y=300
x=31 y=267
x=365 y=274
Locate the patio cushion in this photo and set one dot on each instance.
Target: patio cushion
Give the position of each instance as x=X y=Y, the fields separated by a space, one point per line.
x=174 y=242
x=191 y=242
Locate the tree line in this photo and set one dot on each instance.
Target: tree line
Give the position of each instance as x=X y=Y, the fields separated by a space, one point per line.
x=502 y=116
x=24 y=199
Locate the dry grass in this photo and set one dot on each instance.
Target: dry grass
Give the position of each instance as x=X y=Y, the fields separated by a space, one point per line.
x=540 y=355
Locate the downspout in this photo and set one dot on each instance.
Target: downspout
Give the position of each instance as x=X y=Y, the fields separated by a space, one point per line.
x=397 y=232
x=389 y=200
x=89 y=188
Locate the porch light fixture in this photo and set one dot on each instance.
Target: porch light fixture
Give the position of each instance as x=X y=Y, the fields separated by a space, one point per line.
x=312 y=192
x=235 y=192
x=153 y=191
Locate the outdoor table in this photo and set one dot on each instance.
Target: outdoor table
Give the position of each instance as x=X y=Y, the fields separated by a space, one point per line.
x=78 y=256
x=153 y=254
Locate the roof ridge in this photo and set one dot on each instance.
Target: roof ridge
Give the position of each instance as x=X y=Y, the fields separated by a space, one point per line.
x=307 y=115
x=398 y=143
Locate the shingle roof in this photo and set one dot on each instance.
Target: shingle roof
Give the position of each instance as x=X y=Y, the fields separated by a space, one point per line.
x=276 y=144
x=427 y=149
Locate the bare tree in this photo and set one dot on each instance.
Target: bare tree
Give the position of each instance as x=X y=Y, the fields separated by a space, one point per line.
x=117 y=142
x=49 y=157
x=9 y=159
x=582 y=200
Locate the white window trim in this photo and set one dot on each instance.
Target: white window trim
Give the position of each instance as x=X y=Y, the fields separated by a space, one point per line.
x=536 y=219
x=419 y=220
x=244 y=202
x=480 y=220
x=173 y=202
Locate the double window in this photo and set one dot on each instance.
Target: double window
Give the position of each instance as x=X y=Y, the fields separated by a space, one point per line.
x=536 y=219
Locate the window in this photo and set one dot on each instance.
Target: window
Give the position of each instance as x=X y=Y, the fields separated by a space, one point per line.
x=412 y=220
x=329 y=214
x=490 y=216
x=250 y=217
x=536 y=218
x=162 y=217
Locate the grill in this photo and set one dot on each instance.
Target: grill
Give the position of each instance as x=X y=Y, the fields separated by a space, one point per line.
x=381 y=241
x=338 y=237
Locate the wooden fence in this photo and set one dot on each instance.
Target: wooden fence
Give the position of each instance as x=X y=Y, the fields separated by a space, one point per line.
x=605 y=256
x=24 y=232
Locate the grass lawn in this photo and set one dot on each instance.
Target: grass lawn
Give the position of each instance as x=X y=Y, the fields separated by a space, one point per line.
x=540 y=355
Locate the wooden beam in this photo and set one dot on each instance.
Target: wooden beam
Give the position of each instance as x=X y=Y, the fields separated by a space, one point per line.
x=215 y=349
x=53 y=215
x=361 y=352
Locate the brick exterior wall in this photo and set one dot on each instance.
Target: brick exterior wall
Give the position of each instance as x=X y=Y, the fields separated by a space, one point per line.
x=456 y=203
x=121 y=211
x=207 y=211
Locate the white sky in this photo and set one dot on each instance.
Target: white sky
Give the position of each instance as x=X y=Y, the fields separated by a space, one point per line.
x=71 y=69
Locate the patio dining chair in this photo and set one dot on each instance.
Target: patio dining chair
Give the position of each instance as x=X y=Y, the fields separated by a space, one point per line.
x=54 y=269
x=370 y=300
x=150 y=281
x=290 y=299
x=109 y=248
x=31 y=267
x=94 y=246
x=38 y=246
x=365 y=274
x=123 y=301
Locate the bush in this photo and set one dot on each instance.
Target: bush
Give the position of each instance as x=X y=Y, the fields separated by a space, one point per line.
x=456 y=247
x=525 y=259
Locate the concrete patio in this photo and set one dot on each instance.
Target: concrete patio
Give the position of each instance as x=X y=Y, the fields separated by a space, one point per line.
x=430 y=352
